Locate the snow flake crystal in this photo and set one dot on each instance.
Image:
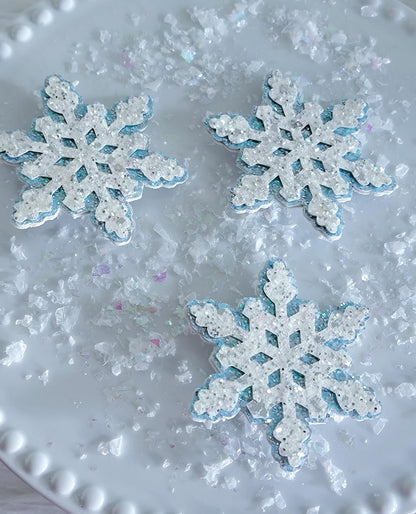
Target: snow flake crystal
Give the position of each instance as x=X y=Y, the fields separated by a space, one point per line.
x=86 y=159
x=283 y=361
x=300 y=153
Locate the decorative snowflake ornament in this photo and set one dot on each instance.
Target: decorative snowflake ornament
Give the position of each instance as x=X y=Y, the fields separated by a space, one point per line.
x=283 y=361
x=86 y=159
x=300 y=154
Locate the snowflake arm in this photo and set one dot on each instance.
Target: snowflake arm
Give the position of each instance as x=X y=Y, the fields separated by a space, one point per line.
x=15 y=145
x=300 y=154
x=221 y=395
x=233 y=130
x=279 y=91
x=86 y=159
x=319 y=206
x=345 y=119
x=369 y=177
x=160 y=171
x=290 y=442
x=114 y=217
x=213 y=320
x=341 y=326
x=219 y=398
x=353 y=398
x=278 y=285
x=36 y=205
x=131 y=114
x=282 y=361
x=61 y=99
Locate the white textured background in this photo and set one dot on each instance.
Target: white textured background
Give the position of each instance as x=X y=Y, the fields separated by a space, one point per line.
x=15 y=495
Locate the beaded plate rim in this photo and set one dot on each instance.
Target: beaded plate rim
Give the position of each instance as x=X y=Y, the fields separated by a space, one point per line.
x=21 y=26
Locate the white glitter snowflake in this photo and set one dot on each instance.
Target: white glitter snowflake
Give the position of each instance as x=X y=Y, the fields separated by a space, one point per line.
x=300 y=154
x=86 y=159
x=283 y=361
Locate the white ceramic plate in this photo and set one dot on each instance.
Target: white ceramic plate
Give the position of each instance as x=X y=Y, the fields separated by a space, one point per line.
x=65 y=289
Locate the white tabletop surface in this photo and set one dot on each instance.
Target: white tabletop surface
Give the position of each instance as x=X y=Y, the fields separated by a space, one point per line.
x=15 y=495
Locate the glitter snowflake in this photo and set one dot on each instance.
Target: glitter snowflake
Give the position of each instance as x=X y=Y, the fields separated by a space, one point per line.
x=300 y=154
x=86 y=159
x=283 y=361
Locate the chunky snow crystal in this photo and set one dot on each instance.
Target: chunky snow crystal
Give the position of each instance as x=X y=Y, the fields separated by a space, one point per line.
x=283 y=361
x=86 y=159
x=300 y=154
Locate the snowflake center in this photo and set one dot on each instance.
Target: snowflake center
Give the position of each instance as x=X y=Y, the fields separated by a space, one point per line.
x=303 y=146
x=86 y=155
x=286 y=363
